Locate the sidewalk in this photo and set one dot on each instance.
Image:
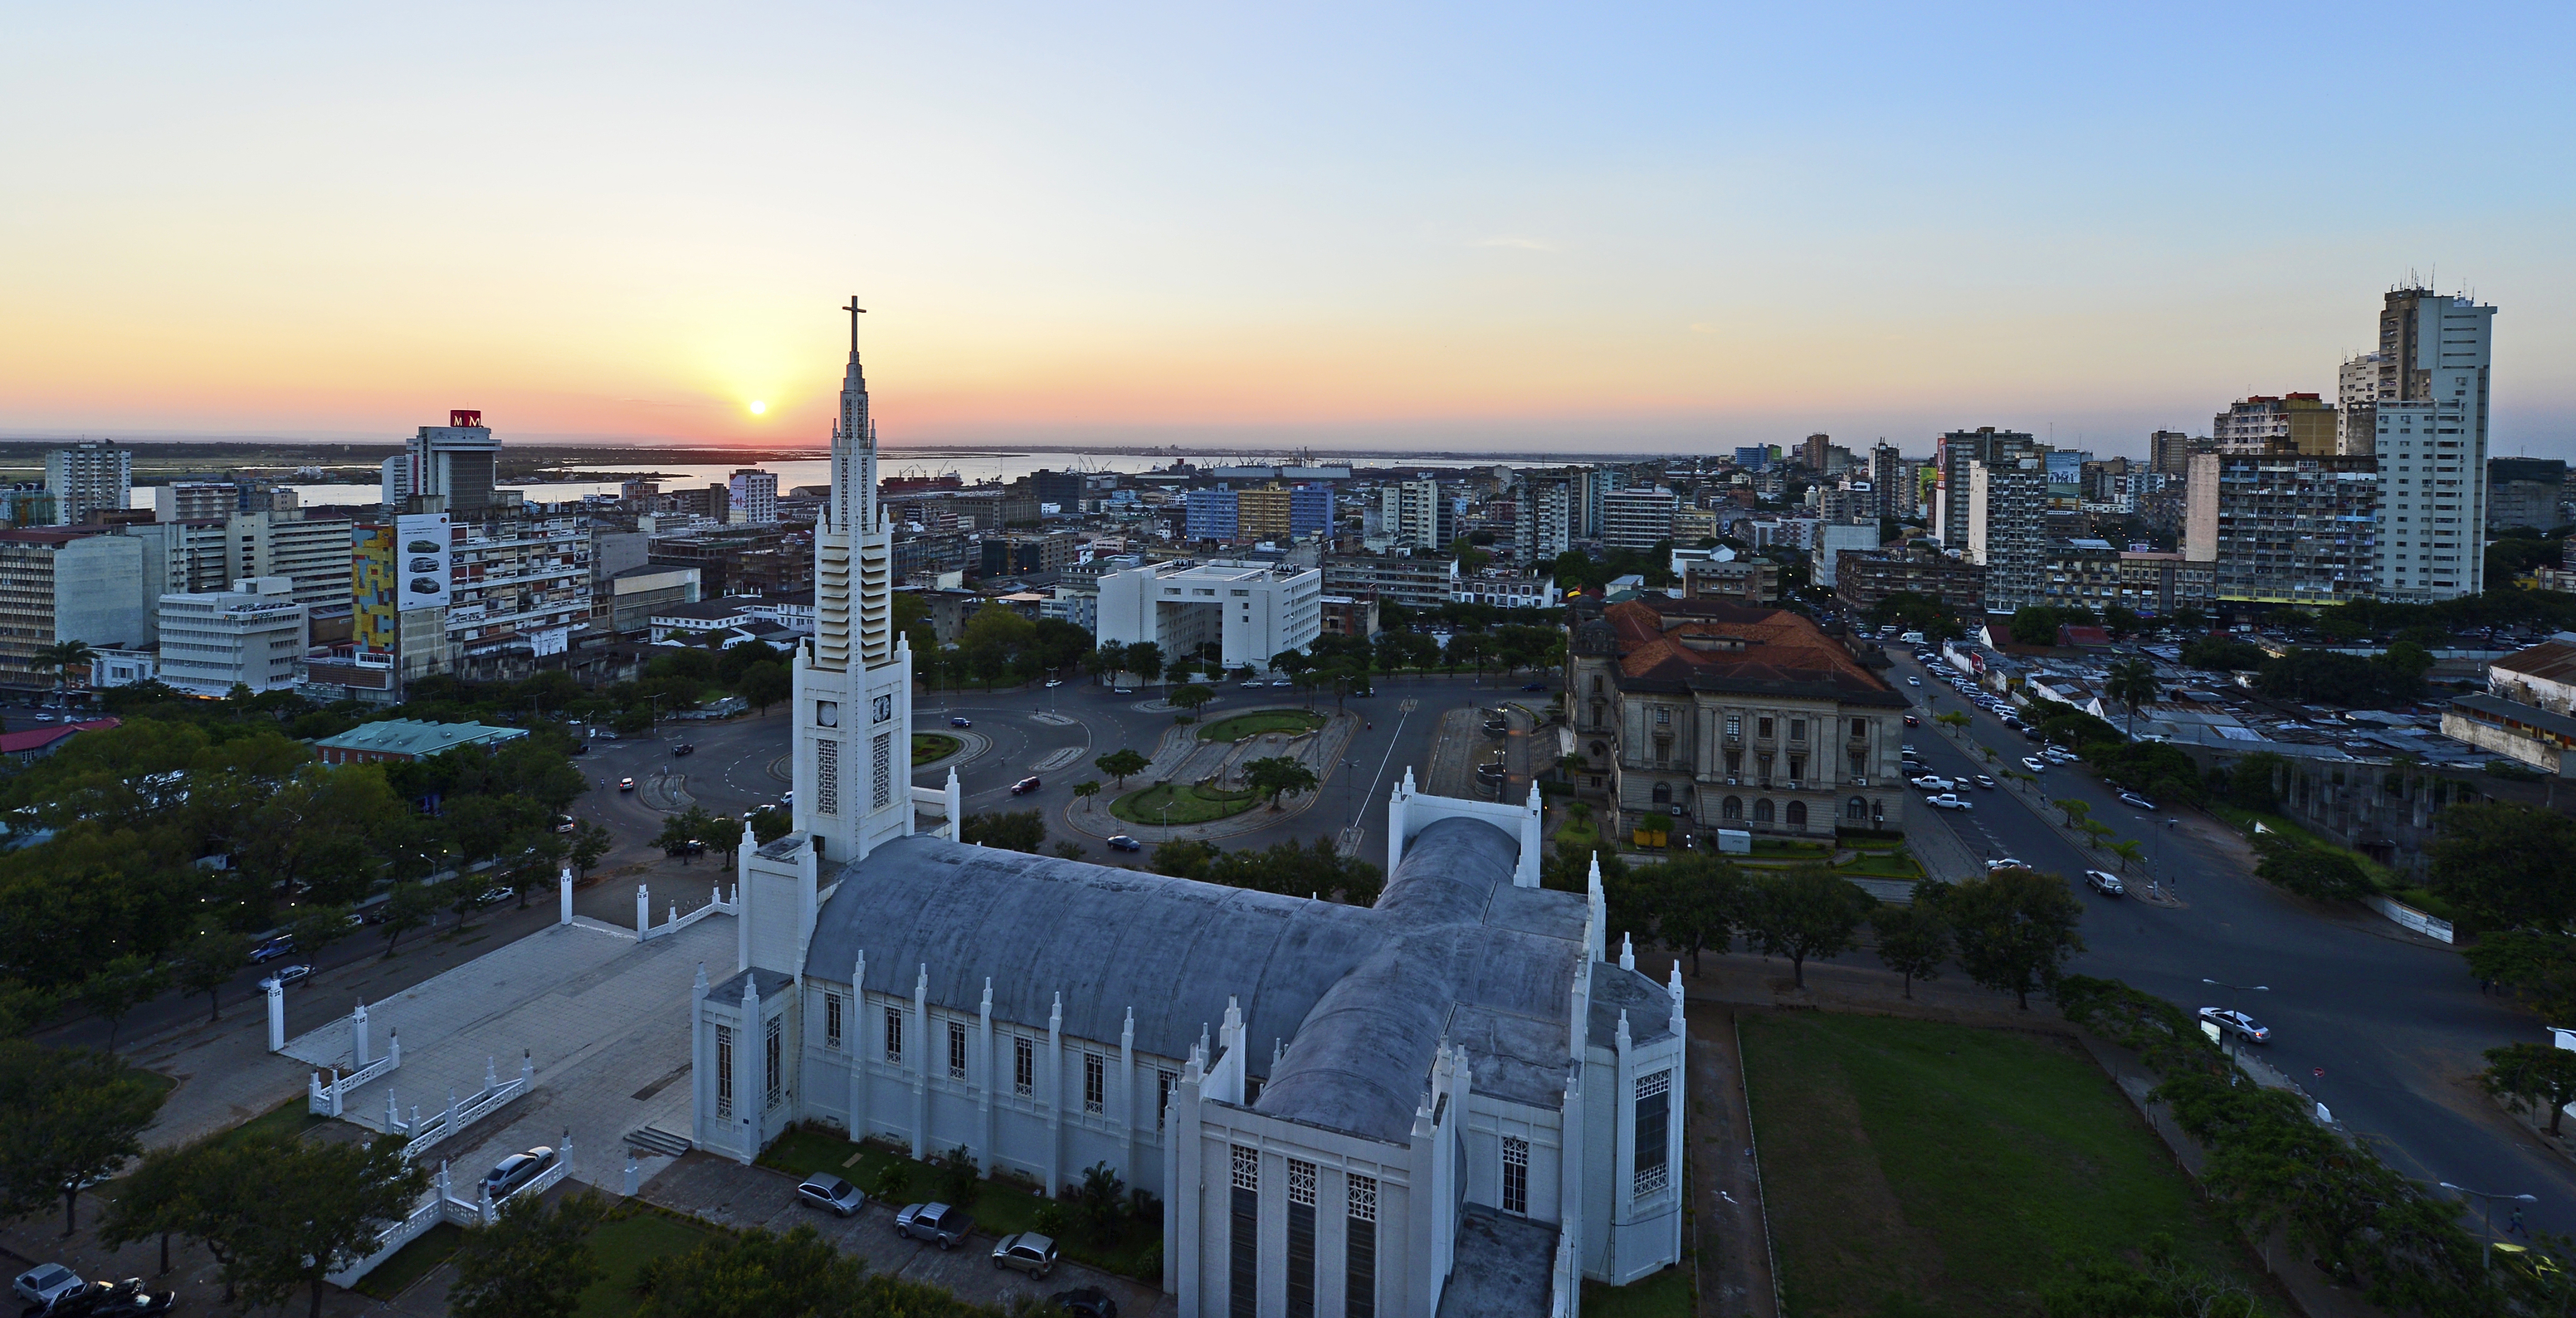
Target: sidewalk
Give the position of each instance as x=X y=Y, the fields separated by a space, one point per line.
x=1730 y=1232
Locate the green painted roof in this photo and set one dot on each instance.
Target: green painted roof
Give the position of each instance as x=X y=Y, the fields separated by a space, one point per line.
x=403 y=736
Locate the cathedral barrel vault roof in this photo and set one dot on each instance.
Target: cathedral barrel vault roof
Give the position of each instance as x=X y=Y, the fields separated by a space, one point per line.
x=1362 y=996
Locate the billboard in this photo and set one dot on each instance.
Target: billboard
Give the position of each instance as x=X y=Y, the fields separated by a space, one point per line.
x=421 y=555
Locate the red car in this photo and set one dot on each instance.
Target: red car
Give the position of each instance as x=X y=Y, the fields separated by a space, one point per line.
x=1024 y=786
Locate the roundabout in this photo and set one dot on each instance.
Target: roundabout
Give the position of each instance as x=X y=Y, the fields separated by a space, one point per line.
x=1188 y=803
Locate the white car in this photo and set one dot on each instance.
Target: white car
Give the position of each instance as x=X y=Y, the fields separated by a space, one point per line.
x=2004 y=863
x=2034 y=764
x=1935 y=783
x=2105 y=883
x=45 y=1283
x=1914 y=681
x=1947 y=801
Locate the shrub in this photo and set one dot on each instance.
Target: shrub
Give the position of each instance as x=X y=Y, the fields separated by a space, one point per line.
x=959 y=1181
x=894 y=1182
x=2312 y=872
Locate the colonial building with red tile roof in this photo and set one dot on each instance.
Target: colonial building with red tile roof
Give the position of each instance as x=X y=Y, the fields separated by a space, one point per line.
x=1722 y=715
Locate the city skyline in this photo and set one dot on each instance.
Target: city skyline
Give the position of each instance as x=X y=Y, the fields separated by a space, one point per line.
x=1652 y=232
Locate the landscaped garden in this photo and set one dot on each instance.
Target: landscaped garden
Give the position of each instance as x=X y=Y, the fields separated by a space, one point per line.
x=1188 y=803
x=1915 y=1167
x=1259 y=721
x=932 y=747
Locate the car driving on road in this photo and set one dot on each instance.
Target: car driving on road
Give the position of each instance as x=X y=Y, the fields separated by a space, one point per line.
x=2230 y=1021
x=626 y=784
x=1025 y=786
x=1946 y=801
x=1983 y=781
x=961 y=721
x=2105 y=883
x=1122 y=842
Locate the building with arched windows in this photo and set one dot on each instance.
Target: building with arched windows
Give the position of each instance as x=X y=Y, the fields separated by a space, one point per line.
x=1726 y=716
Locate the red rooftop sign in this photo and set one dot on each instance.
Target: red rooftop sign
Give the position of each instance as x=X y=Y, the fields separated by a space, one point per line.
x=460 y=417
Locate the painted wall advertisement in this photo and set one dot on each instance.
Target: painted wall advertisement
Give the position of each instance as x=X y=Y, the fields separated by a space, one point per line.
x=422 y=542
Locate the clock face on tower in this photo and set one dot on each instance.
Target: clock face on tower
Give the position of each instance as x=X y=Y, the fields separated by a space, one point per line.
x=827 y=713
x=885 y=708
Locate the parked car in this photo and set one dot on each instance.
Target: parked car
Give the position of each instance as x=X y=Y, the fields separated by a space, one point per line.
x=1934 y=783
x=2234 y=1022
x=2034 y=764
x=1026 y=1251
x=1985 y=782
x=287 y=975
x=2105 y=883
x=272 y=950
x=1254 y=686
x=684 y=748
x=626 y=784
x=516 y=1171
x=1914 y=681
x=960 y=721
x=1283 y=681
x=496 y=896
x=46 y=1283
x=1055 y=681
x=2004 y=863
x=1906 y=750
x=1122 y=842
x=832 y=1194
x=111 y=1299
x=1537 y=686
x=939 y=1224
x=563 y=823
x=1946 y=801
x=1085 y=1302
x=2132 y=798
x=1025 y=786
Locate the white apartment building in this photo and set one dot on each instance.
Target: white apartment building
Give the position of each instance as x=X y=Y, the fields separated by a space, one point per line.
x=190 y=501
x=1637 y=517
x=1409 y=514
x=1832 y=538
x=753 y=498
x=1508 y=590
x=1249 y=611
x=316 y=554
x=2005 y=504
x=2356 y=393
x=88 y=479
x=252 y=635
x=2430 y=432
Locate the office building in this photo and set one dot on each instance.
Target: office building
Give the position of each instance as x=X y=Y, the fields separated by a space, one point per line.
x=1213 y=515
x=1752 y=457
x=1061 y=488
x=1721 y=716
x=635 y=595
x=1263 y=514
x=1862 y=580
x=2169 y=452
x=1248 y=611
x=1887 y=480
x=2006 y=506
x=67 y=584
x=751 y=497
x=315 y=553
x=2304 y=423
x=1639 y=517
x=2154 y=583
x=87 y=480
x=252 y=635
x=1833 y=541
x=2357 y=404
x=2524 y=492
x=1811 y=451
x=2430 y=433
x=2283 y=527
x=190 y=501
x=456 y=462
x=1409 y=514
x=1419 y=583
x=1310 y=510
x=1952 y=455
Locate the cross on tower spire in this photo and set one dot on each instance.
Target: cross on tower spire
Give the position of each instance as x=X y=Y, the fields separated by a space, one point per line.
x=855 y=311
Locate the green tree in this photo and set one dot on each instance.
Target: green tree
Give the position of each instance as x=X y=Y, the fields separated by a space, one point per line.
x=63 y=659
x=1278 y=775
x=1698 y=902
x=207 y=963
x=678 y=831
x=2508 y=866
x=156 y=1198
x=1022 y=830
x=67 y=1116
x=534 y=1261
x=120 y=985
x=2014 y=930
x=753 y=1274
x=2313 y=872
x=2220 y=654
x=769 y=824
x=1912 y=940
x=589 y=843
x=1099 y=1203
x=724 y=833
x=1191 y=697
x=763 y=685
x=1120 y=763
x=1807 y=911
x=408 y=906
x=1086 y=789
x=309 y=1208
x=2131 y=685
x=2074 y=809
x=316 y=927
x=1144 y=659
x=2524 y=1074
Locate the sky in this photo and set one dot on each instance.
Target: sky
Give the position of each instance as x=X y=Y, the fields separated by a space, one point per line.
x=1485 y=227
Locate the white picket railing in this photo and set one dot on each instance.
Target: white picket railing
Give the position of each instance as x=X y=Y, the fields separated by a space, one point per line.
x=442 y=1205
x=323 y=1100
x=646 y=930
x=457 y=1116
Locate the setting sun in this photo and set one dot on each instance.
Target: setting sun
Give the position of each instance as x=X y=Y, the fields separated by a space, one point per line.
x=758 y=407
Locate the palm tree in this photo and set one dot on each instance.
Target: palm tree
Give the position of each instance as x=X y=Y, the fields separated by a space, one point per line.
x=2131 y=683
x=61 y=658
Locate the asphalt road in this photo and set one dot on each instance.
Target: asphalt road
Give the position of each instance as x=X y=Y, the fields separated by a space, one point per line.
x=2383 y=1030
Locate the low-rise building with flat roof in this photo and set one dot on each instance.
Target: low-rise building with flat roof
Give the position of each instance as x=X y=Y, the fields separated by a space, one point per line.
x=407 y=739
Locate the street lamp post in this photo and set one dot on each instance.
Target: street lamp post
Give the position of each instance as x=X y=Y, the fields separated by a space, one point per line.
x=2486 y=1216
x=2232 y=991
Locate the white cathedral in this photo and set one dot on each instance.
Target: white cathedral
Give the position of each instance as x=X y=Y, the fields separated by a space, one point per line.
x=1449 y=1103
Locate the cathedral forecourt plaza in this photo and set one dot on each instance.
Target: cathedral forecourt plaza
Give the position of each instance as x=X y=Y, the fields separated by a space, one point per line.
x=1450 y=1102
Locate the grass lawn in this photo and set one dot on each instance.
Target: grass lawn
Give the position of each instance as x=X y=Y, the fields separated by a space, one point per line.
x=1772 y=846
x=1191 y=804
x=1667 y=1294
x=287 y=1118
x=1921 y=1168
x=999 y=1208
x=622 y=1245
x=412 y=1262
x=932 y=747
x=1261 y=720
x=2243 y=821
x=1882 y=865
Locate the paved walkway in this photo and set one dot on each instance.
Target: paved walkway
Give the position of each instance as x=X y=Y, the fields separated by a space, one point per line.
x=1731 y=1248
x=605 y=1019
x=727 y=1193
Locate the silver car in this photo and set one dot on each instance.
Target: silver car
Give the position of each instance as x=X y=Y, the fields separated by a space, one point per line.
x=940 y=1224
x=45 y=1283
x=832 y=1194
x=1027 y=1251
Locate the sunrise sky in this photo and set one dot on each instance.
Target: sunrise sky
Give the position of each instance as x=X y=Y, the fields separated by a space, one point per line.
x=1674 y=227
